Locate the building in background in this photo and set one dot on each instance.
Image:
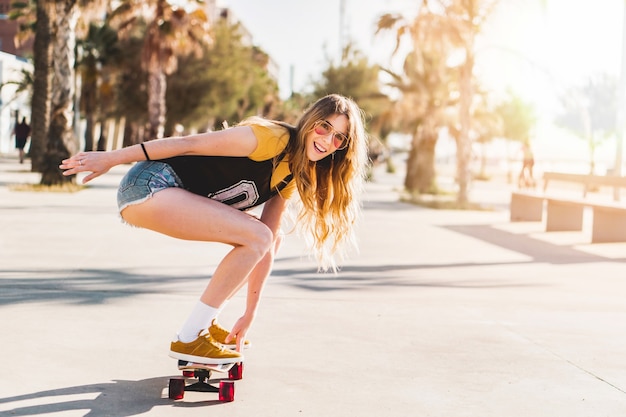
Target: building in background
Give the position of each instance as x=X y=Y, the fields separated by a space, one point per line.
x=12 y=105
x=8 y=29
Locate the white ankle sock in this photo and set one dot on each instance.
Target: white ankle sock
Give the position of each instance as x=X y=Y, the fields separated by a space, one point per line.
x=200 y=318
x=222 y=306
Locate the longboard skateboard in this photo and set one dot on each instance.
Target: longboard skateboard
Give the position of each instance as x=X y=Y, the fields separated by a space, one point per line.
x=202 y=373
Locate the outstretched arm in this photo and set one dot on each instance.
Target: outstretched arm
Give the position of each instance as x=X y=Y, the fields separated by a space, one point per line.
x=236 y=141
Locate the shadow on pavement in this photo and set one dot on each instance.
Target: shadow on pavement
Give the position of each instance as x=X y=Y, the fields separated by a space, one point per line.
x=540 y=251
x=355 y=277
x=96 y=286
x=85 y=286
x=118 y=398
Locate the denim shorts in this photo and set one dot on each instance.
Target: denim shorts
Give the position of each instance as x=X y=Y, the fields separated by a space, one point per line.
x=143 y=180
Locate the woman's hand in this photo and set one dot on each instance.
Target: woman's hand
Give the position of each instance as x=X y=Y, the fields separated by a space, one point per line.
x=97 y=163
x=239 y=331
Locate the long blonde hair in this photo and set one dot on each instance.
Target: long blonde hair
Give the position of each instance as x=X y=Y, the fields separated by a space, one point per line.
x=330 y=188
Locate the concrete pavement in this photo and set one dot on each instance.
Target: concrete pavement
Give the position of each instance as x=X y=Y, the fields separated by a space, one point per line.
x=442 y=313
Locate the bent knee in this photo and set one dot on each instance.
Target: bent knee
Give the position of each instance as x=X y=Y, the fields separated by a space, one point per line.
x=262 y=239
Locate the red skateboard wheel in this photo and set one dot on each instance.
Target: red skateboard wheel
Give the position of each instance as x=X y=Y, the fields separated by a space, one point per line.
x=236 y=372
x=227 y=391
x=176 y=389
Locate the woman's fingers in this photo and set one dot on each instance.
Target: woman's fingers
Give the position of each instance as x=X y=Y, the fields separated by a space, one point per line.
x=83 y=162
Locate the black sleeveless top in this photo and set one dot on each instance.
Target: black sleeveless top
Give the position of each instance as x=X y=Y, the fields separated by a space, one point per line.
x=238 y=182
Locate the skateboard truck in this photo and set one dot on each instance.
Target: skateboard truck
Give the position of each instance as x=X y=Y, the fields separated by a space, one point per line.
x=226 y=389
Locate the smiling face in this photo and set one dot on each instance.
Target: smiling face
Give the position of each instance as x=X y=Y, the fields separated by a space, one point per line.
x=322 y=141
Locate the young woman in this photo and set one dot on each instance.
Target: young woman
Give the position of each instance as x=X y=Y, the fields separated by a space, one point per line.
x=257 y=162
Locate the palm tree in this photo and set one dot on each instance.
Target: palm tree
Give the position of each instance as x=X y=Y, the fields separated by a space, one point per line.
x=35 y=17
x=467 y=18
x=442 y=29
x=61 y=139
x=53 y=91
x=426 y=84
x=172 y=31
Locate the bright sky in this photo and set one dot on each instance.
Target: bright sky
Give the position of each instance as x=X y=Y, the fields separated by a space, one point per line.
x=540 y=52
x=303 y=33
x=532 y=47
x=543 y=51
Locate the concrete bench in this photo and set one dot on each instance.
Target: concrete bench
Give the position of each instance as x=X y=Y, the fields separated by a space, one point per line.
x=609 y=219
x=587 y=181
x=526 y=207
x=609 y=223
x=564 y=215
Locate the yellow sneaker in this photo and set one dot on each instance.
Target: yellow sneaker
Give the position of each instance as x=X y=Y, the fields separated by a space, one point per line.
x=204 y=350
x=218 y=333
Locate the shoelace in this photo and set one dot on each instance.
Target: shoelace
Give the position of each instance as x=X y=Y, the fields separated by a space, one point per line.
x=213 y=343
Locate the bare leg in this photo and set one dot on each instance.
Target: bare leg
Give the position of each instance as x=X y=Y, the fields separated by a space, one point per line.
x=181 y=214
x=276 y=247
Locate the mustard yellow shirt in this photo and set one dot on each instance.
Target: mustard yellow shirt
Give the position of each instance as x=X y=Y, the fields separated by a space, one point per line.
x=272 y=140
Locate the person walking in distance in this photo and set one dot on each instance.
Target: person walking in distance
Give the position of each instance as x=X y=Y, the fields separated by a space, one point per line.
x=526 y=178
x=21 y=132
x=200 y=187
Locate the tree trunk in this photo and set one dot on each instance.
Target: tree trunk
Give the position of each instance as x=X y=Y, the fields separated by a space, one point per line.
x=102 y=139
x=62 y=141
x=463 y=144
x=420 y=173
x=42 y=84
x=157 y=85
x=89 y=129
x=89 y=99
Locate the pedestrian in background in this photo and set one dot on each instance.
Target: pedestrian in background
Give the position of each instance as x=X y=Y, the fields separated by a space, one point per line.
x=526 y=177
x=21 y=132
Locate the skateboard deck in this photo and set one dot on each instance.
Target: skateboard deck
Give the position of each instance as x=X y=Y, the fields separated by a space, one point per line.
x=190 y=366
x=201 y=373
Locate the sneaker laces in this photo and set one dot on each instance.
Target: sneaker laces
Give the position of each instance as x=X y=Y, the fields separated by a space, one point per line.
x=212 y=341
